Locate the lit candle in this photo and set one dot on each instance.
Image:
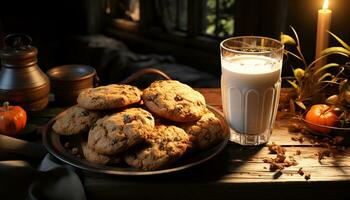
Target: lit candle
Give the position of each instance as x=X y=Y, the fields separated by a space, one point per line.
x=323 y=25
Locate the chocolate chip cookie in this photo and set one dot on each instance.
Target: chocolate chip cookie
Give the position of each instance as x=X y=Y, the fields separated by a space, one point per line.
x=94 y=157
x=75 y=120
x=116 y=133
x=207 y=131
x=168 y=144
x=109 y=97
x=174 y=101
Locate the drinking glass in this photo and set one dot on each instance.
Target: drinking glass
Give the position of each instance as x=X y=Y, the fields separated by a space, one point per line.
x=250 y=84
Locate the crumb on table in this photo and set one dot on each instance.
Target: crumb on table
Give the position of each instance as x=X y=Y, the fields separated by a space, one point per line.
x=275 y=148
x=280 y=161
x=301 y=171
x=307 y=176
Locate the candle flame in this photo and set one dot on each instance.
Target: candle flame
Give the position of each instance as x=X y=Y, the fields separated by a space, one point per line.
x=325 y=5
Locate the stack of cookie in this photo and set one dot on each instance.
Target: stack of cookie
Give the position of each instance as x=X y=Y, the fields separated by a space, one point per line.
x=148 y=130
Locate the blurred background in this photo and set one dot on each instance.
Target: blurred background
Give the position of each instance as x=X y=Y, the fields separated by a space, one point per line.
x=180 y=37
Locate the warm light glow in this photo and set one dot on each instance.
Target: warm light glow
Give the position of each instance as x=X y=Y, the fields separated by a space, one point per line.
x=325 y=5
x=108 y=8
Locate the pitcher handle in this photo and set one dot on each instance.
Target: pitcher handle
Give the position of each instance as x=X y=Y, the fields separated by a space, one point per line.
x=142 y=72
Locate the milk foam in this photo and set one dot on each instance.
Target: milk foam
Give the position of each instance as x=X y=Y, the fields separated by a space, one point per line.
x=251 y=64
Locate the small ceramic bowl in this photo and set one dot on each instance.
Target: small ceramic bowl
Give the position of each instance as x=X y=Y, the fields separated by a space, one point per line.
x=67 y=81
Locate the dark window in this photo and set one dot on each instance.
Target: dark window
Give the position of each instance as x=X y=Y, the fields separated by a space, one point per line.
x=219 y=18
x=123 y=9
x=191 y=30
x=212 y=18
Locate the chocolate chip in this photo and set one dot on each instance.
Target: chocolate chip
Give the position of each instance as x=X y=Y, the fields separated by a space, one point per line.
x=114 y=141
x=178 y=98
x=161 y=146
x=95 y=98
x=126 y=119
x=178 y=108
x=84 y=113
x=149 y=117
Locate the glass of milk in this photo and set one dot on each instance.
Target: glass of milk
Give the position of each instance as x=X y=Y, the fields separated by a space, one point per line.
x=250 y=84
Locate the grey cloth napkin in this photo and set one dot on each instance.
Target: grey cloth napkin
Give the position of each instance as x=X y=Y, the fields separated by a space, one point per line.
x=20 y=180
x=57 y=182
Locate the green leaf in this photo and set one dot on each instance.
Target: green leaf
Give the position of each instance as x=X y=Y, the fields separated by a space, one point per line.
x=324 y=76
x=296 y=35
x=286 y=39
x=326 y=67
x=298 y=73
x=296 y=56
x=332 y=100
x=340 y=41
x=298 y=46
x=293 y=84
x=326 y=55
x=332 y=50
x=300 y=104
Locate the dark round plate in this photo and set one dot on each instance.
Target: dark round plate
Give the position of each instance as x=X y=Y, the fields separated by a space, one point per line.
x=53 y=143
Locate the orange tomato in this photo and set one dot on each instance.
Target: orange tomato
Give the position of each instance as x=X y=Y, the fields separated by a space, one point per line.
x=321 y=114
x=13 y=119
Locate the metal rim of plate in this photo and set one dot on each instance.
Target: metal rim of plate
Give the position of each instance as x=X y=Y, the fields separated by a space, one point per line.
x=53 y=145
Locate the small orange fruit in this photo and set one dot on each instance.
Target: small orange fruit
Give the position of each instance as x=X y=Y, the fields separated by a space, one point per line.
x=321 y=114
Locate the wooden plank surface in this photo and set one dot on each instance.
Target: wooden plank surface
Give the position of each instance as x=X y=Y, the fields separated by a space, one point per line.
x=247 y=168
x=245 y=164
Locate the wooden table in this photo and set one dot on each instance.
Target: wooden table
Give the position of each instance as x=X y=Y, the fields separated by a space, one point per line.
x=238 y=172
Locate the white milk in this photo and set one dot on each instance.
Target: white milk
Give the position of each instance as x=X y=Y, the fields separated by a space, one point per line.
x=250 y=88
